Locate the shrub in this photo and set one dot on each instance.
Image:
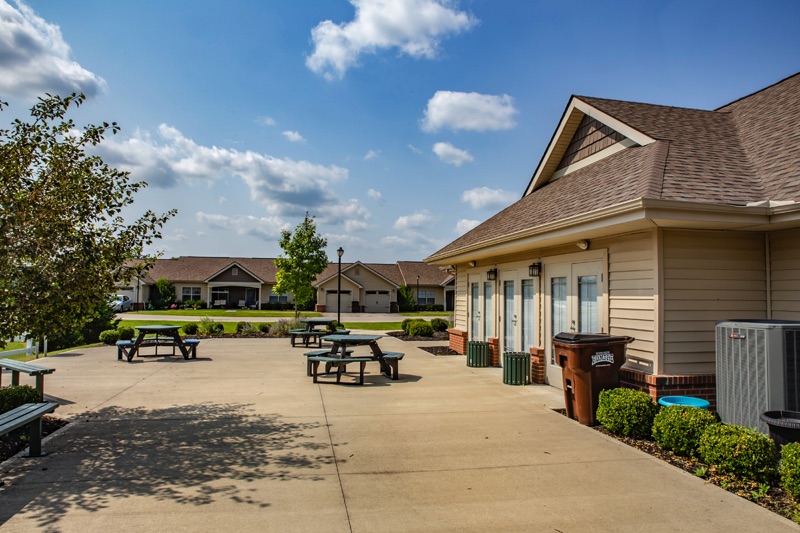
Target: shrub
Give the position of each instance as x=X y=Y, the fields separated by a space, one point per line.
x=244 y=328
x=109 y=336
x=190 y=328
x=406 y=324
x=209 y=327
x=420 y=329
x=678 y=428
x=264 y=327
x=626 y=412
x=439 y=324
x=281 y=327
x=125 y=333
x=13 y=396
x=333 y=326
x=790 y=469
x=741 y=452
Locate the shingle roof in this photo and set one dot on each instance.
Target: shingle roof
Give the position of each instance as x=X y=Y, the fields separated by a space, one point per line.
x=198 y=269
x=744 y=152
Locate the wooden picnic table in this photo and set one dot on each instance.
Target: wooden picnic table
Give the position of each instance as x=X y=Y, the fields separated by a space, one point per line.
x=312 y=323
x=159 y=330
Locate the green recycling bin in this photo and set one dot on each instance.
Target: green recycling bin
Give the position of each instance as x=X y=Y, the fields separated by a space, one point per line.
x=516 y=368
x=477 y=354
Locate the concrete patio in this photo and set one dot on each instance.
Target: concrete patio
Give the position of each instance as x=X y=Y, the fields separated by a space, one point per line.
x=241 y=440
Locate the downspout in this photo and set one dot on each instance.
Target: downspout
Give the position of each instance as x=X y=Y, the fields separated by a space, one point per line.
x=768 y=269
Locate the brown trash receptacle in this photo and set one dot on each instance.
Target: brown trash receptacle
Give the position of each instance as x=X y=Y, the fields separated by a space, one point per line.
x=590 y=362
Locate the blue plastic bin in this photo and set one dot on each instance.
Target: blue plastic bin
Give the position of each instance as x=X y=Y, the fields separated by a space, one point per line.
x=684 y=400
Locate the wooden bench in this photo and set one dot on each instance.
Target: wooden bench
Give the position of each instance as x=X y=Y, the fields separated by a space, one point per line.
x=392 y=359
x=318 y=353
x=340 y=364
x=32 y=370
x=30 y=415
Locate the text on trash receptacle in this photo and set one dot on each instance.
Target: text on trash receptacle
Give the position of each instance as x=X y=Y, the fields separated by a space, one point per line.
x=603 y=359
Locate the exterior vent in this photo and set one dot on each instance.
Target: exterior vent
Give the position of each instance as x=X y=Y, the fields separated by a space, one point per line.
x=758 y=362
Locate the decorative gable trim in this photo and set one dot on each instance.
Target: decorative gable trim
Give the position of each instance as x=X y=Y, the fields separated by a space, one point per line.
x=562 y=139
x=229 y=266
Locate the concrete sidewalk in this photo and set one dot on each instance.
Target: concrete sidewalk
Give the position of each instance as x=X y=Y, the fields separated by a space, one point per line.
x=241 y=440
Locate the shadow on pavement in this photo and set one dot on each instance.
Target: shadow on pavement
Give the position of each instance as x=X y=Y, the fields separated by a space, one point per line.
x=193 y=455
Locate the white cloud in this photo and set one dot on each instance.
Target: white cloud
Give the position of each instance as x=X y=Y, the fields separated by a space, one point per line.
x=293 y=136
x=351 y=214
x=264 y=228
x=484 y=198
x=469 y=111
x=375 y=195
x=372 y=154
x=222 y=200
x=464 y=225
x=417 y=220
x=452 y=155
x=266 y=121
x=414 y=149
x=414 y=27
x=284 y=186
x=35 y=58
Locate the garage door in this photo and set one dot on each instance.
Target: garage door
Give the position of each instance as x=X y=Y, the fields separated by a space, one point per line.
x=331 y=302
x=376 y=302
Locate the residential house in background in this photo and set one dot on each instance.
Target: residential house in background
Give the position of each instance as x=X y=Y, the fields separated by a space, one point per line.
x=247 y=282
x=647 y=221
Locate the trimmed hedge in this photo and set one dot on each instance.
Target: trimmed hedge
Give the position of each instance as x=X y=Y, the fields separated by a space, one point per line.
x=13 y=396
x=790 y=469
x=190 y=328
x=126 y=333
x=678 y=428
x=741 y=452
x=439 y=324
x=109 y=336
x=406 y=324
x=626 y=412
x=420 y=329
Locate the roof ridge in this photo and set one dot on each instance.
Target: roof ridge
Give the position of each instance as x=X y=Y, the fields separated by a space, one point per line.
x=787 y=78
x=683 y=108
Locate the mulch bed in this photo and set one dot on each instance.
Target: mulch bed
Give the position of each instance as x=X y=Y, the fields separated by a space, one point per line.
x=437 y=336
x=770 y=496
x=17 y=440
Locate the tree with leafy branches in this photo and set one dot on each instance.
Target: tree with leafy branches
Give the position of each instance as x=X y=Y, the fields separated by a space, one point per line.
x=64 y=244
x=304 y=260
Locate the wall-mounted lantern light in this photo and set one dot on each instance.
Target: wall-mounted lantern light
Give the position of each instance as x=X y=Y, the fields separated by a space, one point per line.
x=534 y=270
x=491 y=275
x=583 y=245
x=472 y=263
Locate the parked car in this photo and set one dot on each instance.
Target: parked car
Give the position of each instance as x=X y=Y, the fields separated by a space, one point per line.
x=120 y=303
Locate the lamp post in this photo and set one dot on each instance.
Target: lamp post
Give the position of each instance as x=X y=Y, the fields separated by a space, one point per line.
x=417 y=294
x=340 y=253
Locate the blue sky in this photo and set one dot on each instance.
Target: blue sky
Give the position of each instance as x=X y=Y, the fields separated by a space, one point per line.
x=398 y=124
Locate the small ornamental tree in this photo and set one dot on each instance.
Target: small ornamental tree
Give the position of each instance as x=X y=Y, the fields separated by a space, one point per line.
x=64 y=244
x=405 y=299
x=304 y=260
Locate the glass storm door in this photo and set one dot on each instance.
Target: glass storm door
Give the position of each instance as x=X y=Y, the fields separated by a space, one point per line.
x=475 y=311
x=574 y=295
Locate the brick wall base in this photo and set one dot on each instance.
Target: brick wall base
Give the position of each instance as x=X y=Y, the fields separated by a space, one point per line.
x=494 y=351
x=458 y=340
x=698 y=385
x=538 y=362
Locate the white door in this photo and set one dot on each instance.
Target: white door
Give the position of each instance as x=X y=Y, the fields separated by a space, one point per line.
x=481 y=308
x=331 y=301
x=575 y=297
x=376 y=301
x=517 y=319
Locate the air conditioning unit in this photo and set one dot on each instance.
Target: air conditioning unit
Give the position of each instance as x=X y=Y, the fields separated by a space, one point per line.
x=758 y=367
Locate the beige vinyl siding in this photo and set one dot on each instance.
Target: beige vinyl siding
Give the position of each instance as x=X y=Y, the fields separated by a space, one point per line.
x=632 y=288
x=708 y=276
x=460 y=301
x=785 y=272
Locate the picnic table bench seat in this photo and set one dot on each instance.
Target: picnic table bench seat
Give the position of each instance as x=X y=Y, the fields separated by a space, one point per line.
x=307 y=336
x=32 y=370
x=318 y=353
x=340 y=363
x=392 y=359
x=30 y=415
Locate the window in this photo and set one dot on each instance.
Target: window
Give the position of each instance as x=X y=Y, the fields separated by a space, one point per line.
x=426 y=297
x=278 y=298
x=190 y=293
x=235 y=271
x=488 y=308
x=528 y=314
